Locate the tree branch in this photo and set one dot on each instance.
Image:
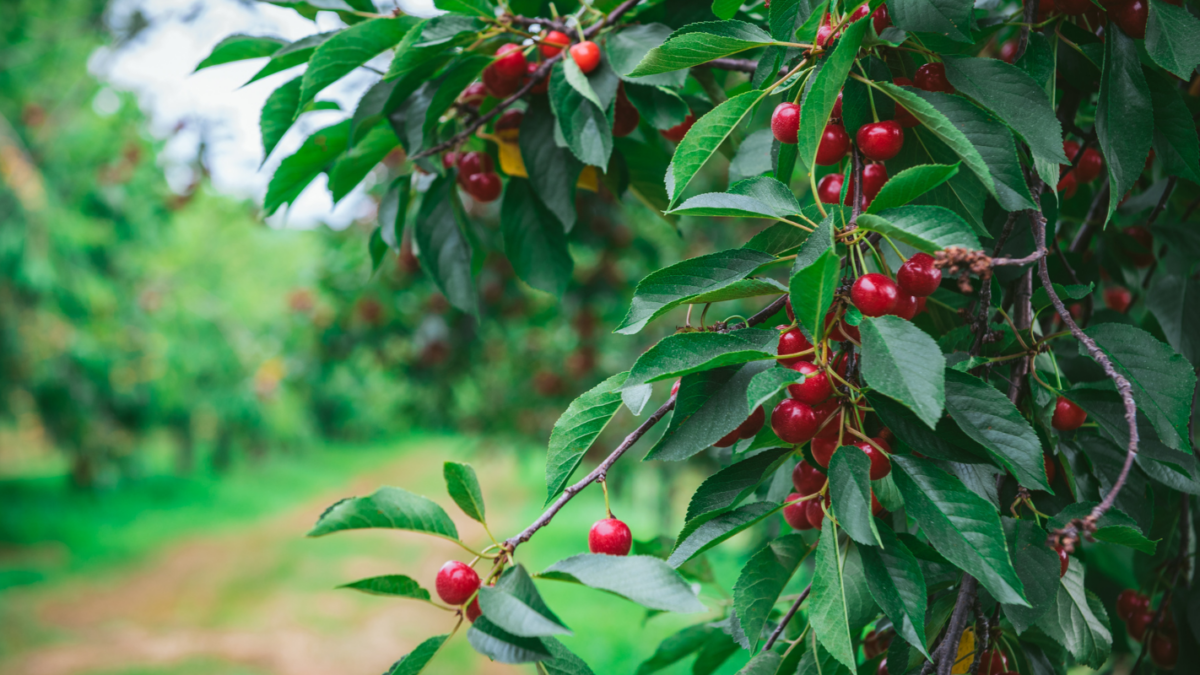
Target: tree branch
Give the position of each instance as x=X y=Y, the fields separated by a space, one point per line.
x=740 y=65
x=1031 y=7
x=1083 y=238
x=786 y=618
x=947 y=652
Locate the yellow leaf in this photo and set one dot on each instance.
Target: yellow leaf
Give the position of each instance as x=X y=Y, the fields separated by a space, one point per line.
x=966 y=653
x=512 y=164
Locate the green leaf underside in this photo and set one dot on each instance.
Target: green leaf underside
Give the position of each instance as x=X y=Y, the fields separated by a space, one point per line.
x=395 y=585
x=828 y=605
x=903 y=362
x=960 y=524
x=697 y=538
x=296 y=171
x=678 y=645
x=850 y=490
x=515 y=606
x=769 y=382
x=645 y=580
x=686 y=353
x=576 y=430
x=534 y=240
x=464 y=489
x=894 y=577
x=417 y=659
x=564 y=661
x=762 y=581
x=946 y=17
x=351 y=48
x=499 y=645
x=1171 y=38
x=991 y=419
x=585 y=128
x=700 y=43
x=278 y=113
x=708 y=406
x=387 y=507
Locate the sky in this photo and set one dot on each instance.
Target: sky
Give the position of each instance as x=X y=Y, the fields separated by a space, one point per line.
x=184 y=107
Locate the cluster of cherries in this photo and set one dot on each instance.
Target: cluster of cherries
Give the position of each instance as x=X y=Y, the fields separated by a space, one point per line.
x=1088 y=169
x=511 y=69
x=1134 y=609
x=1129 y=15
x=475 y=174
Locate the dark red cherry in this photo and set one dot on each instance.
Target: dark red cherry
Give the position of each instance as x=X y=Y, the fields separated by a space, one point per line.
x=1130 y=603
x=932 y=77
x=906 y=306
x=473 y=94
x=837 y=107
x=874 y=294
x=880 y=464
x=1067 y=415
x=1137 y=625
x=880 y=141
x=610 y=536
x=1130 y=16
x=1145 y=240
x=794 y=422
x=835 y=143
x=1118 y=298
x=677 y=132
x=1090 y=166
x=1067 y=185
x=1008 y=51
x=473 y=611
x=874 y=178
x=1164 y=651
x=456 y=582
x=785 y=122
x=541 y=86
x=484 y=187
x=1048 y=464
x=815 y=388
x=499 y=86
x=841 y=331
x=794 y=342
x=472 y=163
x=625 y=116
x=510 y=62
x=903 y=117
x=816 y=516
x=796 y=514
x=1073 y=7
x=829 y=190
x=807 y=479
x=919 y=276
x=992 y=662
x=822 y=450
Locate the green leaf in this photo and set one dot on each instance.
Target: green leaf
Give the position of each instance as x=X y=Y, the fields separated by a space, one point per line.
x=781 y=17
x=553 y=171
x=951 y=18
x=444 y=251
x=460 y=73
x=298 y=170
x=828 y=604
x=777 y=196
x=762 y=581
x=676 y=647
x=963 y=194
x=499 y=645
x=278 y=113
x=1038 y=568
x=646 y=580
x=430 y=43
x=910 y=184
x=292 y=55
x=579 y=82
x=394 y=585
x=753 y=157
x=388 y=508
x=850 y=490
x=352 y=167
x=991 y=419
x=708 y=406
x=672 y=286
x=1175 y=140
x=240 y=47
x=685 y=353
x=584 y=126
x=1041 y=299
x=700 y=43
x=464 y=489
x=1114 y=526
x=903 y=362
x=946 y=442
x=564 y=662
x=894 y=577
x=482 y=8
x=1077 y=620
x=723 y=204
x=705 y=136
x=417 y=659
x=515 y=606
x=630 y=45
x=576 y=430
x=1171 y=38
x=699 y=536
x=534 y=240
x=763 y=663
x=738 y=290
x=661 y=107
x=1174 y=298
x=342 y=53
x=1162 y=380
x=770 y=382
x=822 y=95
x=812 y=290
x=1017 y=99
x=963 y=526
x=733 y=484
x=725 y=9
x=1122 y=114
x=818 y=661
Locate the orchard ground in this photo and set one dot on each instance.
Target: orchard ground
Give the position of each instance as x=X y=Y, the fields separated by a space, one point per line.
x=214 y=576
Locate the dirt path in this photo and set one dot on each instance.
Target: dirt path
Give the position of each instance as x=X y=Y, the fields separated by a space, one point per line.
x=259 y=598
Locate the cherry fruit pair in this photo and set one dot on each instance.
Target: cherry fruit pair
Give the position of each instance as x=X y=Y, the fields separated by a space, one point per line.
x=477 y=177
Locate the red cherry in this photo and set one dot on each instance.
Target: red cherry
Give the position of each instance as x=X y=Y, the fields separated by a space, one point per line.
x=456 y=582
x=874 y=294
x=510 y=62
x=1070 y=149
x=473 y=94
x=675 y=387
x=920 y=305
x=932 y=77
x=793 y=421
x=880 y=464
x=484 y=187
x=822 y=450
x=747 y=429
x=816 y=516
x=1144 y=239
x=876 y=507
x=1073 y=7
x=610 y=536
x=472 y=163
x=794 y=342
x=829 y=190
x=919 y=275
x=1164 y=651
x=1064 y=561
x=1067 y=415
x=625 y=116
x=881 y=19
x=874 y=178
x=1008 y=51
x=541 y=86
x=1118 y=298
x=880 y=141
x=1130 y=17
x=836 y=113
x=553 y=44
x=841 y=331
x=1137 y=625
x=796 y=514
x=906 y=306
x=785 y=122
x=509 y=121
x=807 y=479
x=835 y=143
x=831 y=411
x=1131 y=603
x=586 y=55
x=473 y=611
x=1090 y=166
x=499 y=86
x=1067 y=185
x=677 y=132
x=992 y=662
x=825 y=36
x=903 y=117
x=1048 y=463
x=449 y=159
x=815 y=388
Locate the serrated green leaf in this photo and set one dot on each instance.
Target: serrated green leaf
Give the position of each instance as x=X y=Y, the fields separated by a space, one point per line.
x=1122 y=110
x=903 y=362
x=700 y=535
x=700 y=43
x=553 y=171
x=464 y=489
x=705 y=136
x=850 y=490
x=763 y=663
x=576 y=430
x=828 y=604
x=1041 y=299
x=417 y=659
x=685 y=353
x=812 y=289
x=738 y=290
x=350 y=48
x=1077 y=620
x=770 y=382
x=762 y=581
x=460 y=73
x=1037 y=566
x=946 y=442
x=733 y=484
x=678 y=645
x=292 y=55
x=753 y=157
x=239 y=48
x=499 y=645
x=822 y=95
x=1171 y=38
x=564 y=661
x=278 y=113
x=443 y=249
x=910 y=184
x=894 y=577
x=963 y=194
x=723 y=204
x=991 y=419
x=818 y=661
x=483 y=8
x=946 y=17
x=1114 y=526
x=661 y=107
x=394 y=585
x=1175 y=141
x=432 y=42
x=627 y=47
x=351 y=168
x=515 y=606
x=534 y=240
x=584 y=126
x=1174 y=299
x=646 y=580
x=708 y=406
x=296 y=171
x=961 y=525
x=388 y=508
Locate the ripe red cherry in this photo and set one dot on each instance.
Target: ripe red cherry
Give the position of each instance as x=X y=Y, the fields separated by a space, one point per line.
x=675 y=387
x=836 y=113
x=1144 y=239
x=509 y=121
x=992 y=662
x=625 y=116
x=586 y=55
x=1118 y=298
x=829 y=419
x=906 y=306
x=510 y=62
x=880 y=464
x=1137 y=625
x=449 y=159
x=1064 y=561
x=553 y=44
x=1090 y=166
x=807 y=479
x=456 y=582
x=919 y=276
x=1131 y=603
x=610 y=536
x=499 y=86
x=1048 y=464
x=816 y=516
x=785 y=122
x=473 y=94
x=829 y=190
x=1067 y=415
x=835 y=143
x=879 y=18
x=874 y=294
x=796 y=514
x=1008 y=51
x=903 y=117
x=825 y=36
x=1130 y=17
x=677 y=132
x=472 y=163
x=841 y=331
x=880 y=141
x=822 y=450
x=793 y=421
x=1164 y=650
x=932 y=77
x=541 y=86
x=484 y=187
x=874 y=178
x=1067 y=185
x=473 y=611
x=794 y=342
x=815 y=388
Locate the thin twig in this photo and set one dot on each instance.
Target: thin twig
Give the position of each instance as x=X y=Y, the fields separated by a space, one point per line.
x=1031 y=7
x=1032 y=257
x=1083 y=238
x=1162 y=202
x=948 y=650
x=739 y=65
x=786 y=618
